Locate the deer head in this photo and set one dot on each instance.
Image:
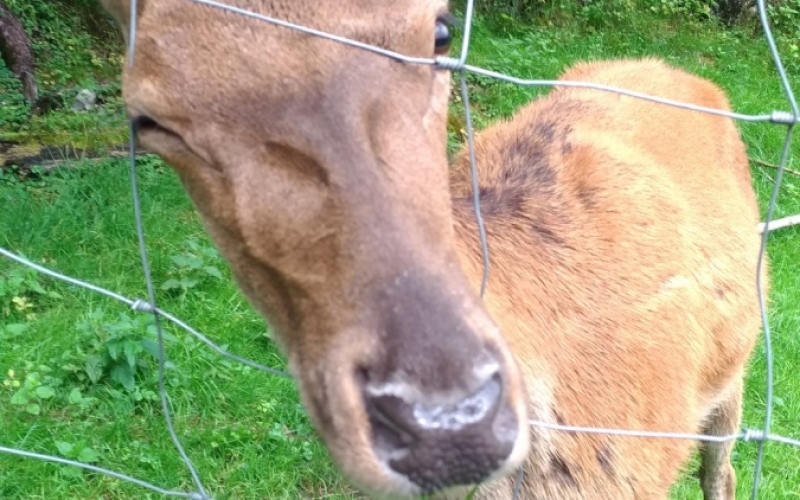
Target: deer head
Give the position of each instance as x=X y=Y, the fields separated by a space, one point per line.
x=320 y=172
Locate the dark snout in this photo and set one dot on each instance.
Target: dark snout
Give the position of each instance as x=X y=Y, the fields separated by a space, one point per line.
x=436 y=446
x=443 y=403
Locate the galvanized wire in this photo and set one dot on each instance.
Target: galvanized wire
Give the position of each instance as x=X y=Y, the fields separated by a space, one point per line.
x=789 y=119
x=100 y=470
x=776 y=57
x=151 y=294
x=140 y=305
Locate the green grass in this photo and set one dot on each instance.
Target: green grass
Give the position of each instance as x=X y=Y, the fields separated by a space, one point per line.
x=245 y=430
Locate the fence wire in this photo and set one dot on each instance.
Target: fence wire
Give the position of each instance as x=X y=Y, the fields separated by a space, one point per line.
x=780 y=117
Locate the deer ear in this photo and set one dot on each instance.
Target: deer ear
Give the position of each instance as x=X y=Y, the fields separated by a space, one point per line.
x=120 y=10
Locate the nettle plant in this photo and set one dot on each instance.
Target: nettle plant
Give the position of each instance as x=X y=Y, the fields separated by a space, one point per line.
x=40 y=385
x=37 y=384
x=21 y=293
x=193 y=268
x=117 y=357
x=119 y=352
x=33 y=389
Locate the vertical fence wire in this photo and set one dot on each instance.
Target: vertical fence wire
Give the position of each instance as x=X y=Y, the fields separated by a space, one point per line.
x=787 y=88
x=162 y=387
x=462 y=68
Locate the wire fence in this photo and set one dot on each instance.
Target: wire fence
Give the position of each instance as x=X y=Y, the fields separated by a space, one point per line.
x=457 y=65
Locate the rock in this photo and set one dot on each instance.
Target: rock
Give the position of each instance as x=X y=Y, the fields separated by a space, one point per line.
x=85 y=100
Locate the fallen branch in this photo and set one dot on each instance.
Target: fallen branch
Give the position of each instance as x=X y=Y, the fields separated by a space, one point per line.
x=770 y=165
x=68 y=158
x=776 y=224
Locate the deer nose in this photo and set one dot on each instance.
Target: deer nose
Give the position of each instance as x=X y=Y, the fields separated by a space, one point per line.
x=440 y=445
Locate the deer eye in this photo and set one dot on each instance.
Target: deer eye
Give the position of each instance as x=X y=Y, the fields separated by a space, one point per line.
x=442 y=36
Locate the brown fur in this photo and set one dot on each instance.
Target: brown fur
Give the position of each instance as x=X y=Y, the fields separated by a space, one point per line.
x=623 y=238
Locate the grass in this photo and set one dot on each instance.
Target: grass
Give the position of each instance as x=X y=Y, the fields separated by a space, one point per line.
x=69 y=387
x=245 y=430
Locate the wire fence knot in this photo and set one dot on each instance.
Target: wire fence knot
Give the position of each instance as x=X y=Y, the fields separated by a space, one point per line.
x=783 y=117
x=450 y=63
x=754 y=435
x=140 y=305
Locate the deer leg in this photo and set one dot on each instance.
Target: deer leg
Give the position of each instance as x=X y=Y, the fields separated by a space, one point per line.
x=717 y=477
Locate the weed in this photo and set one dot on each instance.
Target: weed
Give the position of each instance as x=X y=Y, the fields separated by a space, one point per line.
x=21 y=294
x=36 y=387
x=193 y=268
x=14 y=107
x=119 y=352
x=77 y=451
x=785 y=18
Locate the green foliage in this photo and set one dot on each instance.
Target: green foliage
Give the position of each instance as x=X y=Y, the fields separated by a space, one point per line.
x=685 y=9
x=14 y=110
x=116 y=358
x=10 y=331
x=784 y=16
x=119 y=352
x=69 y=39
x=555 y=12
x=76 y=46
x=21 y=293
x=36 y=388
x=193 y=268
x=77 y=451
x=520 y=8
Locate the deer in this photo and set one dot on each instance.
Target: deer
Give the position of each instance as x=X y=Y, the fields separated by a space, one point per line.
x=623 y=241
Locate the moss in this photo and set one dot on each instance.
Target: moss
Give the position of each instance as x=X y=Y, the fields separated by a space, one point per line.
x=14 y=152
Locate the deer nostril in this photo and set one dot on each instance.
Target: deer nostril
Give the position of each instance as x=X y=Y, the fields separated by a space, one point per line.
x=409 y=421
x=439 y=445
x=470 y=410
x=390 y=422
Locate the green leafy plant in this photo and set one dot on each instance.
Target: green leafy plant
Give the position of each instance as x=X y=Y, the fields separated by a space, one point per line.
x=785 y=18
x=14 y=109
x=75 y=46
x=21 y=292
x=687 y=9
x=77 y=451
x=118 y=352
x=297 y=438
x=36 y=387
x=12 y=330
x=193 y=268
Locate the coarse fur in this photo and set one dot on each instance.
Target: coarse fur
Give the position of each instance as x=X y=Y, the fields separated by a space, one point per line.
x=623 y=240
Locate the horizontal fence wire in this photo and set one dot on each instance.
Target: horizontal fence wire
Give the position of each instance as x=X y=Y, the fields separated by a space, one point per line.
x=459 y=65
x=140 y=305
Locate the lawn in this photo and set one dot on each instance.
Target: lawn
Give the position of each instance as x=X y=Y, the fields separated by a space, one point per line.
x=77 y=369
